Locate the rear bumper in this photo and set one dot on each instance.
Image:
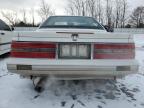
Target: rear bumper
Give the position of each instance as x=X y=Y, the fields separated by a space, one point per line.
x=72 y=69
x=4 y=48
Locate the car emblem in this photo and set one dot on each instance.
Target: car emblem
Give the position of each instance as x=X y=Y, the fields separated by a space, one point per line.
x=74 y=37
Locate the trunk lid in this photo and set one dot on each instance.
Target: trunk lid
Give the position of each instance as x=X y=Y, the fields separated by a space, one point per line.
x=80 y=35
x=73 y=44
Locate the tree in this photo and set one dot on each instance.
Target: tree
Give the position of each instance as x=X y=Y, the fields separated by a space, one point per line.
x=124 y=13
x=10 y=16
x=91 y=8
x=77 y=7
x=99 y=11
x=137 y=17
x=109 y=13
x=45 y=10
x=32 y=12
x=120 y=9
x=23 y=12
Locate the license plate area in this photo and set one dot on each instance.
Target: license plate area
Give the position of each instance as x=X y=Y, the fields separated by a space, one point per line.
x=74 y=51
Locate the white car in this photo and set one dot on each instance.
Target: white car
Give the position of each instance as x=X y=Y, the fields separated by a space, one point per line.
x=5 y=37
x=73 y=47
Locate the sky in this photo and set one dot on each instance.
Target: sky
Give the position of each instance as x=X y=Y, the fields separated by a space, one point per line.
x=58 y=5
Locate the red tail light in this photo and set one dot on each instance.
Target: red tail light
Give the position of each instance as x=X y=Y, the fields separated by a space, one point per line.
x=33 y=49
x=114 y=51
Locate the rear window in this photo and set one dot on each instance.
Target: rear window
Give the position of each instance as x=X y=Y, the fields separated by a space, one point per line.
x=71 y=22
x=4 y=26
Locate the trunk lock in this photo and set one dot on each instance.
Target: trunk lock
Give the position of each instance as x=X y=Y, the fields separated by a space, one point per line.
x=74 y=37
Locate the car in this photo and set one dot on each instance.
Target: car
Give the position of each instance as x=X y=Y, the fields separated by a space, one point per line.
x=6 y=35
x=73 y=47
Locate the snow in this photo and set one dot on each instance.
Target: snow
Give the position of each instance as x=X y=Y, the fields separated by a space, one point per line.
x=125 y=93
x=139 y=40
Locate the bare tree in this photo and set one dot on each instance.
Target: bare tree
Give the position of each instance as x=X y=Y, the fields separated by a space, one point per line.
x=99 y=10
x=92 y=8
x=117 y=12
x=10 y=16
x=95 y=9
x=124 y=12
x=45 y=10
x=120 y=12
x=73 y=8
x=77 y=7
x=70 y=9
x=84 y=8
x=137 y=17
x=32 y=12
x=23 y=12
x=109 y=13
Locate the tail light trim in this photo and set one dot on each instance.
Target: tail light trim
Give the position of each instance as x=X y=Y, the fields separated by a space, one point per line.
x=113 y=56
x=114 y=51
x=33 y=50
x=33 y=54
x=114 y=46
x=33 y=45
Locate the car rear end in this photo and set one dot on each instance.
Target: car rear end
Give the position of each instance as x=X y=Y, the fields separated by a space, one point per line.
x=81 y=59
x=73 y=54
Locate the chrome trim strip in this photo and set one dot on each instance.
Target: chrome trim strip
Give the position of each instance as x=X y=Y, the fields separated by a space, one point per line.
x=92 y=51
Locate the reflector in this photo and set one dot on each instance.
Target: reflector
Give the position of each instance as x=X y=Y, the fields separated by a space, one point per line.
x=74 y=50
x=65 y=50
x=83 y=51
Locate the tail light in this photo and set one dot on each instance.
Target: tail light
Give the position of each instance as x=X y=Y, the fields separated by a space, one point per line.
x=33 y=50
x=114 y=51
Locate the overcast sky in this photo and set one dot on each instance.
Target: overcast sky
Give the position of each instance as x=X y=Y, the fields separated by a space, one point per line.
x=58 y=5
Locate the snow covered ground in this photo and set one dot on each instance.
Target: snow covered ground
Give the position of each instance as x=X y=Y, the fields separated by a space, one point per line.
x=125 y=93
